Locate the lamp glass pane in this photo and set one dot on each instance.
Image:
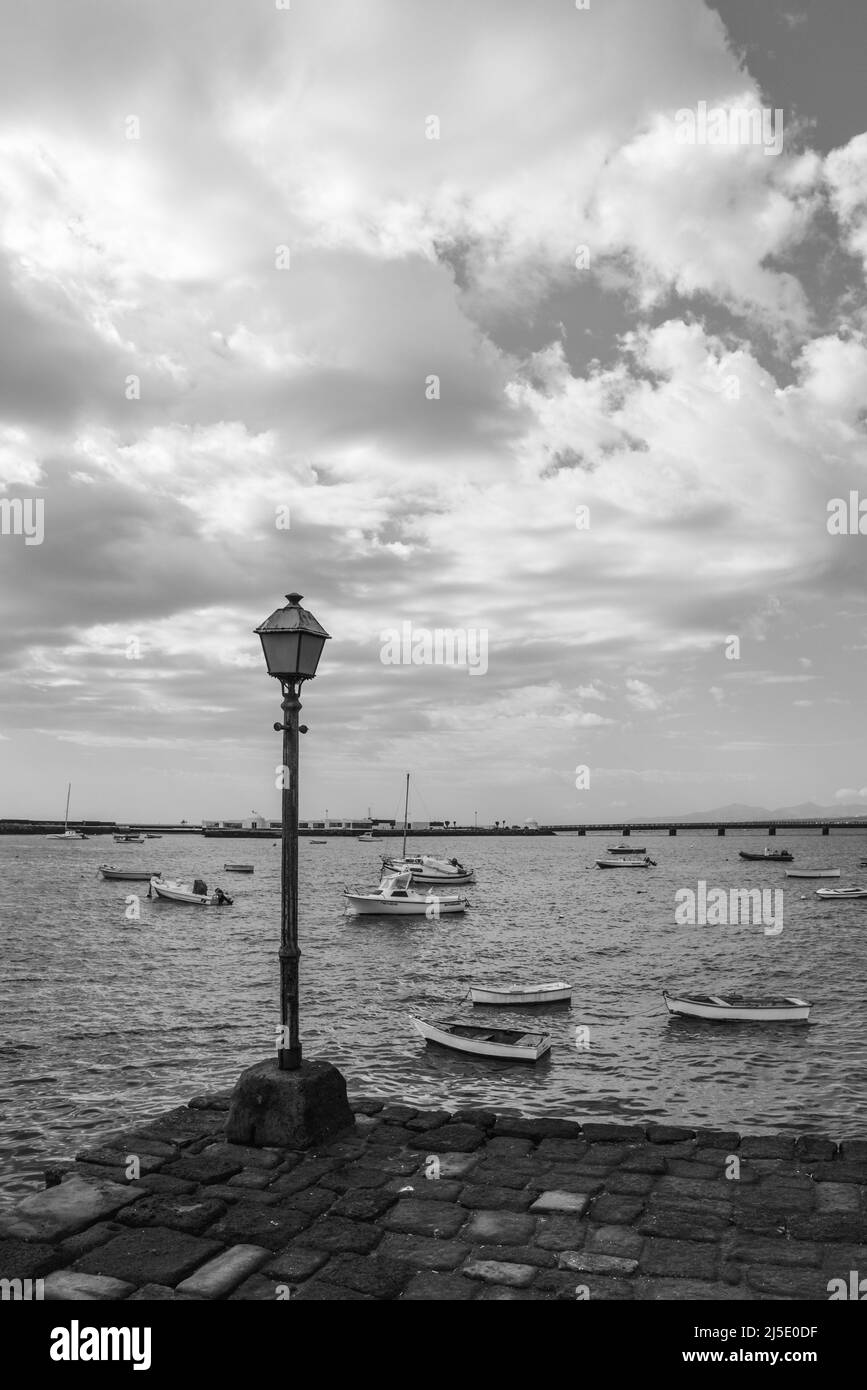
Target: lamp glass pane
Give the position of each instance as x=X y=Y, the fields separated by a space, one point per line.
x=311 y=650
x=281 y=652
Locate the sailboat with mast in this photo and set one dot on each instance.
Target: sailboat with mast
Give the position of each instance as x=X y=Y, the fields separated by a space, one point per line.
x=425 y=868
x=67 y=833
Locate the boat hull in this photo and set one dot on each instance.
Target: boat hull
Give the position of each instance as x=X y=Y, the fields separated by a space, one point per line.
x=842 y=894
x=127 y=875
x=812 y=873
x=428 y=874
x=474 y=1042
x=766 y=858
x=623 y=864
x=238 y=868
x=532 y=994
x=368 y=905
x=788 y=1010
x=626 y=849
x=173 y=893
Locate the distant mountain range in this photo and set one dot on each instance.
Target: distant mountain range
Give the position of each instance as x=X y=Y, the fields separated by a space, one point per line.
x=808 y=810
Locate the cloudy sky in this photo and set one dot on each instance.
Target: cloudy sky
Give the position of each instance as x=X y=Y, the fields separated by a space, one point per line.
x=367 y=298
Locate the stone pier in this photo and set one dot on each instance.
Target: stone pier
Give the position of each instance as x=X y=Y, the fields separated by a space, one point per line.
x=424 y=1204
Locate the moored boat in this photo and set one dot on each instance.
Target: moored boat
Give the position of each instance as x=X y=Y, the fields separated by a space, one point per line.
x=365 y=838
x=739 y=1008
x=129 y=875
x=424 y=868
x=238 y=868
x=843 y=893
x=554 y=993
x=812 y=873
x=626 y=849
x=645 y=863
x=67 y=834
x=509 y=1044
x=319 y=842
x=184 y=893
x=776 y=856
x=129 y=838
x=395 y=897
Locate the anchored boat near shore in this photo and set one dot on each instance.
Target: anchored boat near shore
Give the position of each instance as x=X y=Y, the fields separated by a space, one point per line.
x=645 y=863
x=555 y=993
x=509 y=1044
x=842 y=893
x=812 y=873
x=777 y=856
x=184 y=893
x=395 y=897
x=129 y=875
x=737 y=1008
x=68 y=834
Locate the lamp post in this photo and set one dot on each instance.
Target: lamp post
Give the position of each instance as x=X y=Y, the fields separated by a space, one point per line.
x=294 y=1103
x=292 y=641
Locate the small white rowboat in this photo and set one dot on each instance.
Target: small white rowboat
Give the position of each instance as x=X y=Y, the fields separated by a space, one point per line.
x=183 y=893
x=645 y=863
x=555 y=993
x=844 y=893
x=508 y=1043
x=737 y=1008
x=128 y=875
x=812 y=873
x=395 y=897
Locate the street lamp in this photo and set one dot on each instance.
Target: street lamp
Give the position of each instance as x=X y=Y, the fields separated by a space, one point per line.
x=294 y=1103
x=292 y=641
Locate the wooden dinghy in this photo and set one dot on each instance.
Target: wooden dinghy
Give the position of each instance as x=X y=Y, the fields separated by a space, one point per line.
x=238 y=868
x=739 y=1008
x=812 y=873
x=777 y=856
x=128 y=875
x=843 y=893
x=183 y=893
x=554 y=993
x=509 y=1044
x=645 y=863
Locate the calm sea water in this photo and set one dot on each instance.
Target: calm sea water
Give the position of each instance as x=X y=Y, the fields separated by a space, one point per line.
x=106 y=1021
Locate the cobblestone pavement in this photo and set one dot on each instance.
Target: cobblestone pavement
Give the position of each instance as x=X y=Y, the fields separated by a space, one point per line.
x=425 y=1204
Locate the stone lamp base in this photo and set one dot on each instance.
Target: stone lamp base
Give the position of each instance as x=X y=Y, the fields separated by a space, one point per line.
x=271 y=1108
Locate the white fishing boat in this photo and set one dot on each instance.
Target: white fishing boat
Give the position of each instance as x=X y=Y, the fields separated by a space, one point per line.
x=645 y=863
x=365 y=839
x=844 y=893
x=66 y=833
x=554 y=993
x=184 y=893
x=129 y=875
x=626 y=849
x=238 y=868
x=424 y=868
x=510 y=1044
x=739 y=1008
x=129 y=838
x=395 y=897
x=812 y=873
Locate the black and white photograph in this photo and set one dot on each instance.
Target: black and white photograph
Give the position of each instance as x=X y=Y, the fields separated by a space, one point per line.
x=433 y=773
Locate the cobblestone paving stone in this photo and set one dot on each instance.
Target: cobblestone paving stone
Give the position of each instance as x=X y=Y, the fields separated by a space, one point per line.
x=511 y=1209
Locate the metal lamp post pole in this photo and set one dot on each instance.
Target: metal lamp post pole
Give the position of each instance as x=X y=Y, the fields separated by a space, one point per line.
x=289 y=1056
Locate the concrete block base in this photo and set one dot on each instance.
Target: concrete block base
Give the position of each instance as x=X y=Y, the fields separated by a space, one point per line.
x=271 y=1108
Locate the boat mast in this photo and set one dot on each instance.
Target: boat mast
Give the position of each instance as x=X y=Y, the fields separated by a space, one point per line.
x=405 y=813
x=66 y=813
